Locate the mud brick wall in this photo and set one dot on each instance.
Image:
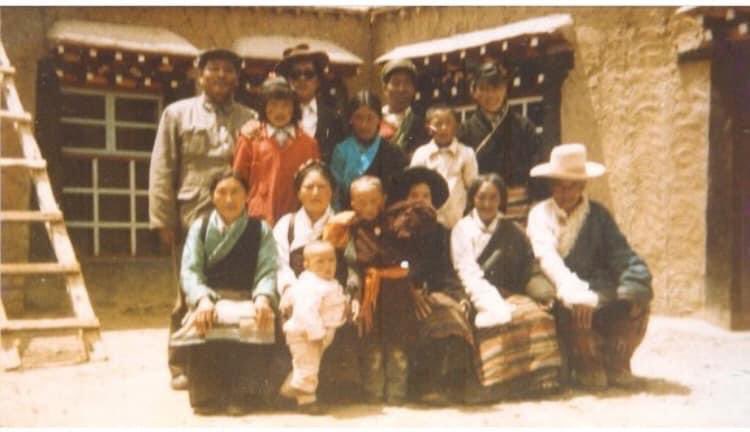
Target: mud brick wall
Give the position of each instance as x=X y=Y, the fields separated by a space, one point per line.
x=636 y=108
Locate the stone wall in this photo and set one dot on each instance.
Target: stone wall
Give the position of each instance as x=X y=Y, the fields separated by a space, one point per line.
x=637 y=110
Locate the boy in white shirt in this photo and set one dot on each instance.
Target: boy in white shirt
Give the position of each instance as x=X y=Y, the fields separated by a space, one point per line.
x=455 y=161
x=318 y=308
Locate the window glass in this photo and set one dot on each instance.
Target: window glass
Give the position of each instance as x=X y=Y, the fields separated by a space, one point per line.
x=83 y=136
x=82 y=106
x=136 y=110
x=135 y=139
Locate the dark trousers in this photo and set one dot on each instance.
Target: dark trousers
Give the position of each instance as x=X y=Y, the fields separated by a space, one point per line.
x=440 y=365
x=595 y=349
x=177 y=356
x=340 y=375
x=223 y=372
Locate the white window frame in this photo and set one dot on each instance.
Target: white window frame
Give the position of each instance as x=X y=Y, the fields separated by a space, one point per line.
x=110 y=151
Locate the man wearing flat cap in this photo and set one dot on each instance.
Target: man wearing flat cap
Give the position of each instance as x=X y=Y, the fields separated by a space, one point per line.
x=304 y=68
x=402 y=125
x=505 y=143
x=194 y=141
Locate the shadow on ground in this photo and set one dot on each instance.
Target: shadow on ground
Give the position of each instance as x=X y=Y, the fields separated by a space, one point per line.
x=645 y=385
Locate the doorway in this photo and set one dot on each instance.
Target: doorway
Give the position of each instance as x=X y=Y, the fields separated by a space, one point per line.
x=728 y=210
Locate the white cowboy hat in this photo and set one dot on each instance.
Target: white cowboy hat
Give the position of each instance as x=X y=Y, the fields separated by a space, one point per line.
x=568 y=161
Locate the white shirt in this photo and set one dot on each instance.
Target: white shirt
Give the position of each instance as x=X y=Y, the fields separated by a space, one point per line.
x=317 y=304
x=457 y=163
x=304 y=232
x=393 y=118
x=281 y=135
x=468 y=239
x=309 y=120
x=553 y=233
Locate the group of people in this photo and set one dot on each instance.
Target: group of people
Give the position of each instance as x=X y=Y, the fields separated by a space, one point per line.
x=386 y=256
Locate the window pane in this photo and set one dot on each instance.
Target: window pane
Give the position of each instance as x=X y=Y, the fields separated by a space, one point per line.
x=77 y=172
x=114 y=208
x=114 y=173
x=137 y=110
x=141 y=209
x=141 y=175
x=114 y=241
x=83 y=136
x=518 y=109
x=135 y=139
x=536 y=113
x=84 y=106
x=83 y=240
x=77 y=207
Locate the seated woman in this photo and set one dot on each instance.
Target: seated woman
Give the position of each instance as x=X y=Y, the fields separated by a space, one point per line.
x=442 y=353
x=314 y=186
x=229 y=280
x=603 y=286
x=515 y=336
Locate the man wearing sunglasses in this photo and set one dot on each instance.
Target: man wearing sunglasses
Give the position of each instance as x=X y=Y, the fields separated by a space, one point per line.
x=304 y=68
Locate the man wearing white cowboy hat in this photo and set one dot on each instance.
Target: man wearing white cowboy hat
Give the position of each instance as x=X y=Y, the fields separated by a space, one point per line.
x=603 y=287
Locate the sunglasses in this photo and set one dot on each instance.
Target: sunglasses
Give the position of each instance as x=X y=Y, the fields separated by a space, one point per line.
x=307 y=74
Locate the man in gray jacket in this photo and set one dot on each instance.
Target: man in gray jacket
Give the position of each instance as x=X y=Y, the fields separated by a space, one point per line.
x=195 y=139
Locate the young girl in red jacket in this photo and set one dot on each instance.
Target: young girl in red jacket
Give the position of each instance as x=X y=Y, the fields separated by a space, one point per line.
x=268 y=159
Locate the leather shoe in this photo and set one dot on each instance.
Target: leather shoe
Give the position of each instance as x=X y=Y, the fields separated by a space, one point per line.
x=238 y=409
x=313 y=408
x=207 y=410
x=623 y=379
x=592 y=379
x=179 y=382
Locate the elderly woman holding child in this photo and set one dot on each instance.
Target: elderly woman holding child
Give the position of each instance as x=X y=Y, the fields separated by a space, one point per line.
x=424 y=290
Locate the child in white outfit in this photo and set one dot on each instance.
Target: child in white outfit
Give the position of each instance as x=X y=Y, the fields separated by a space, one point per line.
x=318 y=308
x=456 y=162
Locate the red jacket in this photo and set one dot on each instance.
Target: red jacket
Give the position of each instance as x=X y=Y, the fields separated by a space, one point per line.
x=269 y=171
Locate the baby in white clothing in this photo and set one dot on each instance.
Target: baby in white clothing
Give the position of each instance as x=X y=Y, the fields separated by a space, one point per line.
x=318 y=308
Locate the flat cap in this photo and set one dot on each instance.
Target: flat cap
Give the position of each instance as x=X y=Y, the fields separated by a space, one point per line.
x=392 y=66
x=219 y=53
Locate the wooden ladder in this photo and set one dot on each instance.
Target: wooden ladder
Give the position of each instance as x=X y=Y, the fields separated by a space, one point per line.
x=16 y=334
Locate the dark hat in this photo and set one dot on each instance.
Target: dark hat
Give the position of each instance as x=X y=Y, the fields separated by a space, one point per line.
x=420 y=174
x=405 y=65
x=301 y=52
x=493 y=73
x=219 y=53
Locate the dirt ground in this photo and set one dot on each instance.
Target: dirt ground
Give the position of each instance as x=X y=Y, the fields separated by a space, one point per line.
x=695 y=375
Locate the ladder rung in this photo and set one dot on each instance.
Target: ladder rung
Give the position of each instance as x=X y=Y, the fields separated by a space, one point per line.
x=38 y=268
x=17 y=117
x=29 y=216
x=7 y=70
x=48 y=324
x=21 y=162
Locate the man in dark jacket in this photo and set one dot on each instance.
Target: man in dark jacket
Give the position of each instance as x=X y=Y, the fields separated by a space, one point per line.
x=402 y=125
x=304 y=68
x=505 y=142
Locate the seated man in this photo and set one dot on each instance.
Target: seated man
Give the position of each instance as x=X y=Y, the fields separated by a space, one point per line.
x=603 y=287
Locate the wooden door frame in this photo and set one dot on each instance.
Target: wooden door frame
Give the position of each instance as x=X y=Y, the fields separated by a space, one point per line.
x=727 y=290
